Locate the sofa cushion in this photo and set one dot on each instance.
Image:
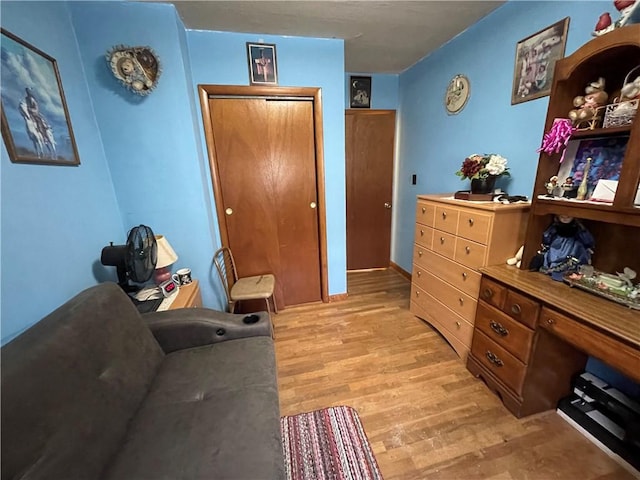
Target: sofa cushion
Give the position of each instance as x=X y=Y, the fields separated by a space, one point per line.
x=70 y=385
x=212 y=413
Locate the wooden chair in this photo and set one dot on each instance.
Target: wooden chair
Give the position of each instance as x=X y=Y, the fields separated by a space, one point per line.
x=244 y=288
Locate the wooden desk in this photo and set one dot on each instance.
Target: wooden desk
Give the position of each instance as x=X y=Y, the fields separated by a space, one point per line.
x=188 y=296
x=550 y=328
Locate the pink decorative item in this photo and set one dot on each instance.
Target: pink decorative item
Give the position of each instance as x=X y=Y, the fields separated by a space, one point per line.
x=557 y=137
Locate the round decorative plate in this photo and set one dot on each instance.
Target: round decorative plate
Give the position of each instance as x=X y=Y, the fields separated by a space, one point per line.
x=457 y=94
x=137 y=68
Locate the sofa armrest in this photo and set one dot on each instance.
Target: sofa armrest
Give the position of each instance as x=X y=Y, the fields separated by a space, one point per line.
x=194 y=327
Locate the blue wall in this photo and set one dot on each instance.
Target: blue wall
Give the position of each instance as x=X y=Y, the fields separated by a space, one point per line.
x=433 y=144
x=150 y=142
x=55 y=220
x=220 y=58
x=384 y=90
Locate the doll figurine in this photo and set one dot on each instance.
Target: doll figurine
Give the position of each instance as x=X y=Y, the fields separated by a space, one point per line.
x=587 y=105
x=566 y=245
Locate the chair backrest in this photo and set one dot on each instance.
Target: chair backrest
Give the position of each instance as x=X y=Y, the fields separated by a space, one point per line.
x=226 y=267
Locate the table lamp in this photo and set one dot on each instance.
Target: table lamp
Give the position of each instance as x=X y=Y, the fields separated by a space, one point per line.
x=166 y=257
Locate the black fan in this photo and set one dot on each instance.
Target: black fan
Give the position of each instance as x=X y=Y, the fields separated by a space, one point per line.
x=136 y=260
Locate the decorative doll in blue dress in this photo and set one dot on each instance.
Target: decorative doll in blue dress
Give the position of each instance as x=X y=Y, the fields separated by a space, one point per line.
x=566 y=245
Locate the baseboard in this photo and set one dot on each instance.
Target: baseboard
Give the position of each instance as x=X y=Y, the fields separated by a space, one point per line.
x=338 y=297
x=621 y=461
x=400 y=270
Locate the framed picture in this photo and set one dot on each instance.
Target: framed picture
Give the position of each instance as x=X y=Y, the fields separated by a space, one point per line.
x=35 y=121
x=536 y=58
x=263 y=68
x=360 y=92
x=606 y=153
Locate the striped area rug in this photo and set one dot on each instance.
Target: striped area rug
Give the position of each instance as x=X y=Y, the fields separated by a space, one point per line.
x=327 y=444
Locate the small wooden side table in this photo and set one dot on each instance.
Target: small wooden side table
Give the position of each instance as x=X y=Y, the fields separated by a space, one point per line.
x=188 y=296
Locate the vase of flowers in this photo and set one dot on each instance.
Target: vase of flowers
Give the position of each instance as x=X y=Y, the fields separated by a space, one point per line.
x=483 y=171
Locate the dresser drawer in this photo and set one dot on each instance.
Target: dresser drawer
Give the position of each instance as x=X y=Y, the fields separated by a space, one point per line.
x=447 y=322
x=423 y=235
x=497 y=360
x=470 y=253
x=461 y=349
x=420 y=256
x=458 y=302
x=446 y=219
x=505 y=331
x=474 y=226
x=444 y=243
x=424 y=213
x=492 y=292
x=420 y=277
x=463 y=278
x=620 y=355
x=522 y=308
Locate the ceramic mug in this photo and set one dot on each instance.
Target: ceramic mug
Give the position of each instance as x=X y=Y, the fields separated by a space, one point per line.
x=182 y=276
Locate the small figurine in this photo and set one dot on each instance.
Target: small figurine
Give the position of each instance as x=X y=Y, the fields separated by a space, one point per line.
x=588 y=107
x=551 y=185
x=627 y=9
x=517 y=259
x=631 y=90
x=567 y=187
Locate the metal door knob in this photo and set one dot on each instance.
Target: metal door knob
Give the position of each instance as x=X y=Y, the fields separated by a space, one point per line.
x=313 y=205
x=229 y=211
x=387 y=205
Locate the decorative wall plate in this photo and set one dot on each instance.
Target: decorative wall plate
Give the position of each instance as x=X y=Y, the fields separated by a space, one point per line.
x=137 y=68
x=457 y=94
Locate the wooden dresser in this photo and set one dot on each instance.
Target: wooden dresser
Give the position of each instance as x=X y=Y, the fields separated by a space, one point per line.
x=453 y=239
x=532 y=334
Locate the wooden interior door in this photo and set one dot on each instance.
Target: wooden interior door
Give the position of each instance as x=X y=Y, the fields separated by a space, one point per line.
x=265 y=158
x=369 y=178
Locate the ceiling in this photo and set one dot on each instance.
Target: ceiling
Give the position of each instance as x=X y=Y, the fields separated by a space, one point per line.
x=380 y=37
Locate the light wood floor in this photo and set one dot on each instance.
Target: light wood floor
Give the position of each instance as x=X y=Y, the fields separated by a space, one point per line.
x=425 y=415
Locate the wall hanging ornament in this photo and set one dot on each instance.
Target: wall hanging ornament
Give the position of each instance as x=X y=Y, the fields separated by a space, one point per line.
x=137 y=68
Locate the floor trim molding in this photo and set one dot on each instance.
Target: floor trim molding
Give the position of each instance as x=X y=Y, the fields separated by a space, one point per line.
x=338 y=297
x=400 y=270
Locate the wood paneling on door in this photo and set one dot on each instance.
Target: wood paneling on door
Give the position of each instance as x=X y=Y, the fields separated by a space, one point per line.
x=265 y=158
x=369 y=178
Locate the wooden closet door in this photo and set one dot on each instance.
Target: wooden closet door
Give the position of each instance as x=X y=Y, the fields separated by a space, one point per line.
x=370 y=144
x=266 y=166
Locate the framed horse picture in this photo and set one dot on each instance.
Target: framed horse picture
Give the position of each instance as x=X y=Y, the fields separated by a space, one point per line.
x=36 y=127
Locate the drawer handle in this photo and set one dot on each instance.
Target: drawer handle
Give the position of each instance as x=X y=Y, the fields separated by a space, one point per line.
x=424 y=209
x=487 y=293
x=464 y=275
x=550 y=321
x=458 y=325
x=419 y=253
x=461 y=300
x=444 y=215
x=471 y=222
x=417 y=293
x=421 y=233
x=493 y=358
x=467 y=249
x=516 y=309
x=419 y=273
x=498 y=328
x=442 y=240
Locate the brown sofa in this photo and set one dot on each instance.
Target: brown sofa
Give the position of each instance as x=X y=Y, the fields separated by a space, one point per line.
x=97 y=391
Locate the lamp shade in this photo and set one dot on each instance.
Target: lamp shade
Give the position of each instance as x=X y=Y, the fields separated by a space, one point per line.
x=166 y=255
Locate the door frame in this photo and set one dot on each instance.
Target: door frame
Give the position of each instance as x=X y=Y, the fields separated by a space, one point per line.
x=239 y=91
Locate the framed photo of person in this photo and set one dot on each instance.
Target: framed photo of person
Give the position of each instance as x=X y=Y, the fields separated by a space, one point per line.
x=36 y=127
x=263 y=69
x=360 y=92
x=535 y=61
